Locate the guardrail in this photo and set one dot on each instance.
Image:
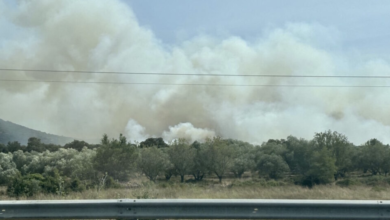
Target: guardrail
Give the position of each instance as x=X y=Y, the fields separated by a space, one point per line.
x=195 y=208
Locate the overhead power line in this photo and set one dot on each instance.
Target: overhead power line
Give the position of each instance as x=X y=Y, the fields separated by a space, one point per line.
x=194 y=84
x=200 y=74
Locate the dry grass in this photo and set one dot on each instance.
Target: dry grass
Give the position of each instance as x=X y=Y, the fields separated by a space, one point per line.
x=227 y=190
x=209 y=189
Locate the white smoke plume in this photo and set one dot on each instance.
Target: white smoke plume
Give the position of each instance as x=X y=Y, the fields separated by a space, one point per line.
x=188 y=132
x=135 y=131
x=101 y=35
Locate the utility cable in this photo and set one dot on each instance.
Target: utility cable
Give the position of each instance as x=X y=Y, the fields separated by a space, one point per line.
x=199 y=74
x=195 y=84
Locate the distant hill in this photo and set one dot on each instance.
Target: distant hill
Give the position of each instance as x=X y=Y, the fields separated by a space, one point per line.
x=13 y=132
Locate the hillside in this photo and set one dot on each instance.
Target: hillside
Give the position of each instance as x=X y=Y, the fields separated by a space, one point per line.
x=13 y=132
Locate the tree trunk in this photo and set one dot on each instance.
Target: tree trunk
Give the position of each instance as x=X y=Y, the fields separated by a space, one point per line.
x=198 y=176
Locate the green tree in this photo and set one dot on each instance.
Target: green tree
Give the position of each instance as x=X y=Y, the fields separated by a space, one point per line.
x=153 y=142
x=182 y=155
x=3 y=148
x=72 y=163
x=78 y=145
x=340 y=149
x=314 y=164
x=372 y=157
x=201 y=162
x=276 y=147
x=322 y=168
x=272 y=165
x=243 y=157
x=115 y=157
x=19 y=158
x=297 y=156
x=219 y=156
x=82 y=166
x=35 y=144
x=152 y=162
x=14 y=146
x=7 y=168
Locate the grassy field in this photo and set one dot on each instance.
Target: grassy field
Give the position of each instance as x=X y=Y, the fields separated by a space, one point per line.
x=229 y=189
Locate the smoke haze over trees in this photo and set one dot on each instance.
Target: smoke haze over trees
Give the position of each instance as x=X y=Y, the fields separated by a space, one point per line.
x=99 y=35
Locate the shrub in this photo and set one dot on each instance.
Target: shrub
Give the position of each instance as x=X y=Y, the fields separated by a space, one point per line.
x=76 y=185
x=375 y=180
x=272 y=166
x=51 y=185
x=31 y=184
x=111 y=183
x=25 y=185
x=347 y=182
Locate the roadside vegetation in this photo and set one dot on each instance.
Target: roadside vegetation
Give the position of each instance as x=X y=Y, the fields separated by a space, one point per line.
x=328 y=166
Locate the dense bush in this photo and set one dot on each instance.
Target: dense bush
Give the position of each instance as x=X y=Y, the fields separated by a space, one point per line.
x=51 y=183
x=76 y=185
x=27 y=185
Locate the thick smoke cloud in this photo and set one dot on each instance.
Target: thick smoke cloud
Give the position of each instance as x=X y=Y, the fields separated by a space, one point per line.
x=188 y=132
x=135 y=132
x=105 y=36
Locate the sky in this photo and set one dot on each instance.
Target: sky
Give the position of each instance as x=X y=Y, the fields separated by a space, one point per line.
x=248 y=37
x=360 y=24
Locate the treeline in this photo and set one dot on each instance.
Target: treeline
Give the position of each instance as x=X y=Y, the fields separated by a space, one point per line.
x=77 y=166
x=35 y=144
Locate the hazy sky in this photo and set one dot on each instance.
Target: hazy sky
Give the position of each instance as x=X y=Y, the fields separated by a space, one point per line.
x=361 y=24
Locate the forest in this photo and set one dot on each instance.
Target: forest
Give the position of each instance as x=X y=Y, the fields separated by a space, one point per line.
x=328 y=158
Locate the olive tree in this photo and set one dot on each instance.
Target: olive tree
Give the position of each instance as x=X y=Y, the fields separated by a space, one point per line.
x=7 y=168
x=182 y=155
x=219 y=157
x=201 y=162
x=339 y=148
x=272 y=165
x=322 y=168
x=152 y=162
x=311 y=162
x=115 y=157
x=243 y=157
x=372 y=157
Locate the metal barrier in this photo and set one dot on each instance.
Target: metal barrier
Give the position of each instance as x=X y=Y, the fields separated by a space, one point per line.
x=195 y=208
